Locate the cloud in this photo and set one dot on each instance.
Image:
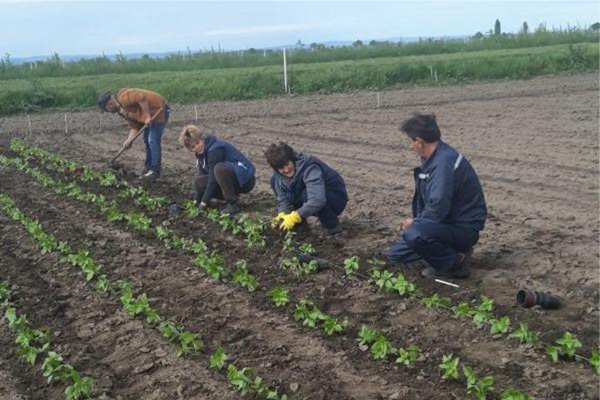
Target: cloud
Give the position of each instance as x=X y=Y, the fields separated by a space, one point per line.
x=249 y=30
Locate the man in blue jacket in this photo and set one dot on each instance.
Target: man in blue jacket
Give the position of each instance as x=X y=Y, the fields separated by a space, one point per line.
x=305 y=186
x=448 y=206
x=223 y=171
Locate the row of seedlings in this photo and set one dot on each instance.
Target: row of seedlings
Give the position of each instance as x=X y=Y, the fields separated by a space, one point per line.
x=188 y=343
x=33 y=344
x=242 y=224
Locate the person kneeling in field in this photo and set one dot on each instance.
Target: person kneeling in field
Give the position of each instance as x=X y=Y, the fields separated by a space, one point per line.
x=305 y=186
x=223 y=171
x=138 y=106
x=448 y=206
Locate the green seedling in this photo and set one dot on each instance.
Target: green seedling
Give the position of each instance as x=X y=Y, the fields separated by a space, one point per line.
x=366 y=335
x=229 y=224
x=211 y=263
x=525 y=335
x=213 y=214
x=113 y=214
x=198 y=247
x=189 y=342
x=88 y=175
x=55 y=369
x=102 y=284
x=288 y=242
x=595 y=361
x=568 y=344
x=26 y=351
x=108 y=179
x=552 y=352
x=242 y=277
x=463 y=309
x=501 y=325
x=279 y=296
x=435 y=301
x=375 y=263
x=307 y=248
x=162 y=233
x=383 y=279
x=513 y=394
x=241 y=379
x=80 y=388
x=351 y=265
x=332 y=325
x=218 y=359
x=402 y=286
x=408 y=356
x=478 y=387
x=449 y=367
x=138 y=221
x=169 y=330
x=382 y=348
x=309 y=316
x=191 y=210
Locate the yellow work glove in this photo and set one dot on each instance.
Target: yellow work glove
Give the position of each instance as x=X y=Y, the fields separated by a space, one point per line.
x=290 y=220
x=277 y=220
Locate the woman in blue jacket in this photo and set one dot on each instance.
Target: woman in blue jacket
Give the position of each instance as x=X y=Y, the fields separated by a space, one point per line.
x=223 y=171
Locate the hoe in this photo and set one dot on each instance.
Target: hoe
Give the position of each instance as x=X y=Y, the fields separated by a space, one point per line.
x=112 y=162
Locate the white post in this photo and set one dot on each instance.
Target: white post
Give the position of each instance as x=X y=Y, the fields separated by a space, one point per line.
x=196 y=112
x=66 y=126
x=435 y=75
x=377 y=99
x=285 y=83
x=29 y=122
x=431 y=70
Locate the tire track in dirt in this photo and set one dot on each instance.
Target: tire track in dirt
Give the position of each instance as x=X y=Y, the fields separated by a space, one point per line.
x=92 y=333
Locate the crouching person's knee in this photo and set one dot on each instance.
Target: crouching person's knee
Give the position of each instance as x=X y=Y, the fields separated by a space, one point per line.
x=412 y=237
x=397 y=252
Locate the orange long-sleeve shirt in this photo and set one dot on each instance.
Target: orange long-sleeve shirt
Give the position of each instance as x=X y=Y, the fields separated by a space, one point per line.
x=130 y=100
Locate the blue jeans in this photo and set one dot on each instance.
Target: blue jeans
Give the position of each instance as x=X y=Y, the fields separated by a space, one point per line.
x=152 y=138
x=436 y=244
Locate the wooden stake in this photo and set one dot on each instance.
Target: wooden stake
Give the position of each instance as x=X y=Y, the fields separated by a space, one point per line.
x=285 y=81
x=196 y=111
x=66 y=125
x=377 y=99
x=29 y=122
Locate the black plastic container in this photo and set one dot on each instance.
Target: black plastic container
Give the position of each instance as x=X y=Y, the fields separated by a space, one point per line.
x=529 y=298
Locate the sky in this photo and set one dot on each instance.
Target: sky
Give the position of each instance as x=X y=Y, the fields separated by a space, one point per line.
x=40 y=28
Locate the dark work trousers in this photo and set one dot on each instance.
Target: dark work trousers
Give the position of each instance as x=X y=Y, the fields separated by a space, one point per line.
x=436 y=244
x=328 y=215
x=228 y=188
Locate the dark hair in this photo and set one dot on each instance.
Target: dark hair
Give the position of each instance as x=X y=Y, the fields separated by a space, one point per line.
x=278 y=155
x=103 y=98
x=422 y=126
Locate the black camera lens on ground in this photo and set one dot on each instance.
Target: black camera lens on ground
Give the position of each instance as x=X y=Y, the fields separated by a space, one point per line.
x=530 y=298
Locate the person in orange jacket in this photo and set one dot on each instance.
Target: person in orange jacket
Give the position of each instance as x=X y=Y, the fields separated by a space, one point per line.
x=138 y=106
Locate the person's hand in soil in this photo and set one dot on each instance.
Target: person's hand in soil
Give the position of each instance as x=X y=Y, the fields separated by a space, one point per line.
x=406 y=223
x=275 y=222
x=290 y=220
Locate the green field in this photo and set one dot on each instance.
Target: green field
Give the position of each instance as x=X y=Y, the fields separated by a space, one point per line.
x=80 y=92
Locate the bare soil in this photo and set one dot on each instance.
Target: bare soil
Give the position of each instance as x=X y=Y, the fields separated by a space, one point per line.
x=533 y=143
